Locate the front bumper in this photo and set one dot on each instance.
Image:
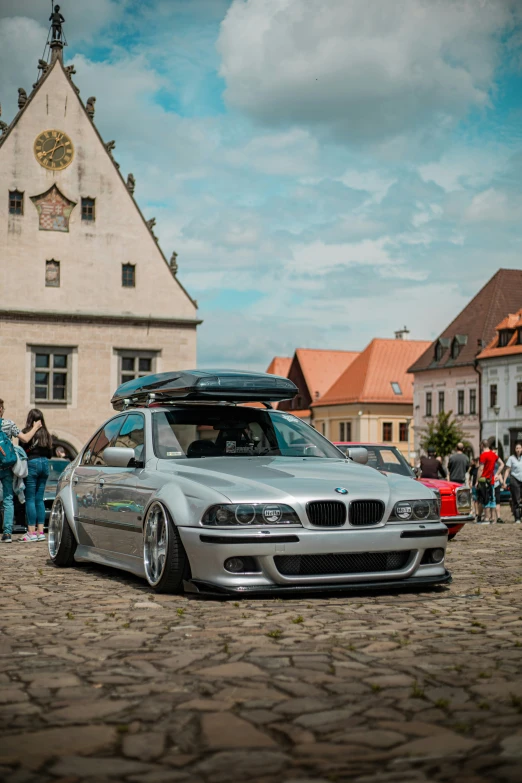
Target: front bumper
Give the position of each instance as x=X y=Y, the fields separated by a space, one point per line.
x=459 y=519
x=207 y=550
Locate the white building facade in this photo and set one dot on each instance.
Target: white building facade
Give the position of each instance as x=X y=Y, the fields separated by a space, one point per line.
x=87 y=298
x=500 y=367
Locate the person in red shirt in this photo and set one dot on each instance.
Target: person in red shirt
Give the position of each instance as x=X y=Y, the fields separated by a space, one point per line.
x=486 y=481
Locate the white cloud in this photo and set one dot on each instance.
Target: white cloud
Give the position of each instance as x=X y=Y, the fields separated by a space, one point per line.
x=494 y=205
x=319 y=258
x=463 y=167
x=285 y=154
x=365 y=71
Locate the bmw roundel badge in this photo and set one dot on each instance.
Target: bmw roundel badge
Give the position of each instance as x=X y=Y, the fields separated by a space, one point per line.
x=341 y=490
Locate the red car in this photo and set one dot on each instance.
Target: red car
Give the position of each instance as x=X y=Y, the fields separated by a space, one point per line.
x=455 y=500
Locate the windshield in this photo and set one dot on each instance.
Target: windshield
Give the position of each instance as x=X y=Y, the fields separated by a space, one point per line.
x=386 y=458
x=233 y=431
x=56 y=468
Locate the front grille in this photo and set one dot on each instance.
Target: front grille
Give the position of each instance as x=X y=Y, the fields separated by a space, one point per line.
x=327 y=513
x=366 y=512
x=352 y=563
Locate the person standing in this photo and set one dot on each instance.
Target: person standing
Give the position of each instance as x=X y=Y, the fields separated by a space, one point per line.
x=499 y=470
x=10 y=429
x=514 y=471
x=472 y=479
x=458 y=465
x=38 y=450
x=431 y=466
x=486 y=480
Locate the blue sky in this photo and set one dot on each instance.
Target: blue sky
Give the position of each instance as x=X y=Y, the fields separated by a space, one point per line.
x=327 y=170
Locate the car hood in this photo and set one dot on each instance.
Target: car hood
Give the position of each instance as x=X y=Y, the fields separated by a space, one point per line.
x=442 y=485
x=252 y=479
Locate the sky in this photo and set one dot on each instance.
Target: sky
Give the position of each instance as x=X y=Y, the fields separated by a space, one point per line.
x=328 y=171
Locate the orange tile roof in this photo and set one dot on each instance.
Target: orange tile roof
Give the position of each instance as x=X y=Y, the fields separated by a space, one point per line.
x=513 y=321
x=369 y=378
x=321 y=368
x=280 y=365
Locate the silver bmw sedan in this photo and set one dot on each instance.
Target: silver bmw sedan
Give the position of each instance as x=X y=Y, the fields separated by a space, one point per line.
x=191 y=488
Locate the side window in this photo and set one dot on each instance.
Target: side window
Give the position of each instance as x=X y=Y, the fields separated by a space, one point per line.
x=132 y=434
x=88 y=451
x=105 y=438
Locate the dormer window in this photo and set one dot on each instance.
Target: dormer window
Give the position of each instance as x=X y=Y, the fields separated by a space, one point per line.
x=504 y=337
x=396 y=387
x=455 y=349
x=441 y=348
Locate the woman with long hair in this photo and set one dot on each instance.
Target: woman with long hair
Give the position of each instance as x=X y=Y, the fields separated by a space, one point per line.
x=38 y=451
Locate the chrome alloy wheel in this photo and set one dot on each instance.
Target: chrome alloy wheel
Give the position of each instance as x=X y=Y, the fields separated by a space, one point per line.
x=155 y=541
x=56 y=523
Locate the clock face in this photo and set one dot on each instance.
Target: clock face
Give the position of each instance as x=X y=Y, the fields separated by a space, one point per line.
x=53 y=150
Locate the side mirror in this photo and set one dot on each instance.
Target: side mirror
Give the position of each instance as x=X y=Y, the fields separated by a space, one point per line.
x=116 y=457
x=358 y=454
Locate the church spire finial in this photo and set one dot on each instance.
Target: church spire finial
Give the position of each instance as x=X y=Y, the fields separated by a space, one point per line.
x=57 y=37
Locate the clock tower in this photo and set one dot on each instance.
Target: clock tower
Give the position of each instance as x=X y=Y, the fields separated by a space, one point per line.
x=87 y=296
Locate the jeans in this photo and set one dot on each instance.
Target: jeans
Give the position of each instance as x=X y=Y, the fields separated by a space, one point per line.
x=515 y=487
x=34 y=491
x=6 y=477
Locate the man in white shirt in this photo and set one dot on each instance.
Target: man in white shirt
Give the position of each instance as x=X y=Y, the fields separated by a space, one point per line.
x=514 y=469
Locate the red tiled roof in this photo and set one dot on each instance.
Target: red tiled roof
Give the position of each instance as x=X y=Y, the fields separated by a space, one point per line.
x=280 y=365
x=475 y=325
x=322 y=367
x=369 y=378
x=512 y=322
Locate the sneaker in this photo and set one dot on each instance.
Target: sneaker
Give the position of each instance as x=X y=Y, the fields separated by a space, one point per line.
x=29 y=537
x=41 y=537
x=6 y=538
x=501 y=521
x=517 y=522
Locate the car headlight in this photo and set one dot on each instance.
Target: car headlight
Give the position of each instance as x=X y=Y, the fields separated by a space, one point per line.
x=250 y=515
x=415 y=510
x=463 y=497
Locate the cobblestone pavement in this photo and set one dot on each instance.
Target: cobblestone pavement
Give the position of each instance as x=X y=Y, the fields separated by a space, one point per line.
x=101 y=680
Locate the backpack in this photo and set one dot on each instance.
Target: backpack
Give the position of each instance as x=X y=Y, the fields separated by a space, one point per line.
x=8 y=457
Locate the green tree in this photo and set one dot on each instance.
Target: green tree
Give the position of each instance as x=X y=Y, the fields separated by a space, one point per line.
x=443 y=434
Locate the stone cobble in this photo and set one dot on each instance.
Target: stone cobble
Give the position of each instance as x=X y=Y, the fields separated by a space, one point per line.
x=102 y=680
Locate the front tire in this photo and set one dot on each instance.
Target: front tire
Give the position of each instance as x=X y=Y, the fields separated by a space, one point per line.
x=164 y=557
x=60 y=539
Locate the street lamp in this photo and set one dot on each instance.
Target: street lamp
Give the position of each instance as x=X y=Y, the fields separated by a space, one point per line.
x=496 y=411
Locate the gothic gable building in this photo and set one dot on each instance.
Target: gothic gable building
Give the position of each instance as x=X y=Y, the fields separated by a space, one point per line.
x=87 y=298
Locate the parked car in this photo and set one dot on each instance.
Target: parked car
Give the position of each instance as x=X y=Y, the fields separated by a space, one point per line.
x=455 y=500
x=56 y=466
x=265 y=505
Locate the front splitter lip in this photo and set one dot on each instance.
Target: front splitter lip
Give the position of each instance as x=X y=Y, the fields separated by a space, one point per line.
x=199 y=587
